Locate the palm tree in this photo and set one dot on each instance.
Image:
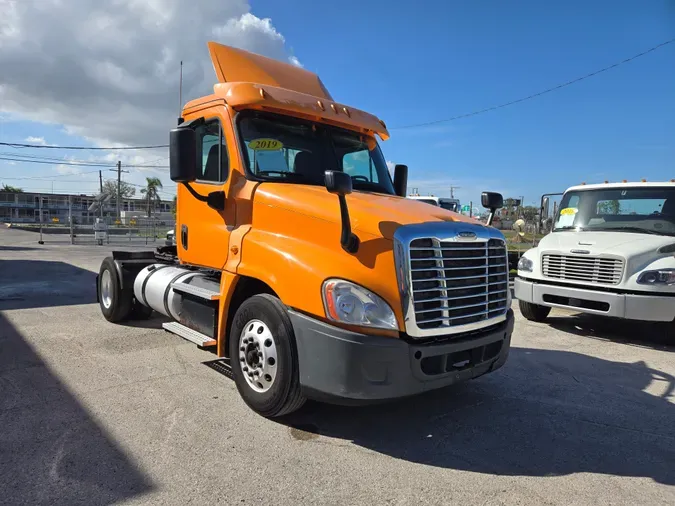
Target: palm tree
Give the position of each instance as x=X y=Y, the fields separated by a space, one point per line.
x=153 y=184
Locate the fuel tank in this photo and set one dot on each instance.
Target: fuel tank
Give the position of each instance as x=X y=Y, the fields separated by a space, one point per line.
x=153 y=287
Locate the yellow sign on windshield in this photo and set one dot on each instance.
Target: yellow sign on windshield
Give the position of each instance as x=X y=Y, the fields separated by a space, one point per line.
x=569 y=211
x=265 y=145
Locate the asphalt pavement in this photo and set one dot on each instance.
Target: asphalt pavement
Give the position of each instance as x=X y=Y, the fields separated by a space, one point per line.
x=96 y=413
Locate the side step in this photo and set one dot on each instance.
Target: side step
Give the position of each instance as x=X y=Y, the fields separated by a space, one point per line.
x=197 y=291
x=187 y=333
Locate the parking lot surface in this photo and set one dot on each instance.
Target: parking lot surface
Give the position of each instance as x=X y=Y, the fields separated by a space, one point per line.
x=95 y=413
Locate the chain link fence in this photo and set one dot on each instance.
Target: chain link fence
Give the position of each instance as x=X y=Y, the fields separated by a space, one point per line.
x=112 y=231
x=109 y=230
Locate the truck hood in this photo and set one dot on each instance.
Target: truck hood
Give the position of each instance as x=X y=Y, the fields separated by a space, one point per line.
x=626 y=244
x=373 y=213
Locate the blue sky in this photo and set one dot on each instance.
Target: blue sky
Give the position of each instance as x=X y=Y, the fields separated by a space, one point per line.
x=419 y=62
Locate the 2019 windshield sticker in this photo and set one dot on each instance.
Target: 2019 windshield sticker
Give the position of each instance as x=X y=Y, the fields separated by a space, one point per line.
x=567 y=216
x=265 y=145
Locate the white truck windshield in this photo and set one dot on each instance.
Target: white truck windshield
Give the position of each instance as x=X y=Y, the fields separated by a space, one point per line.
x=649 y=210
x=450 y=205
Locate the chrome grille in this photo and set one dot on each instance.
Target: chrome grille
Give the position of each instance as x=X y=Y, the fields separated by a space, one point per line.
x=457 y=283
x=578 y=268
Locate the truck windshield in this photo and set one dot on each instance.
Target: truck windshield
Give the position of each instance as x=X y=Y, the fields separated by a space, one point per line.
x=450 y=205
x=649 y=210
x=284 y=149
x=427 y=201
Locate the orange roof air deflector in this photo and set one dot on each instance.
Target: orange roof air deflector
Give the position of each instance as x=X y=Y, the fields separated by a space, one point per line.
x=236 y=65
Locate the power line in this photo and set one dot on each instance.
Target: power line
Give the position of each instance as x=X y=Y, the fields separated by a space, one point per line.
x=97 y=164
x=45 y=179
x=39 y=146
x=48 y=158
x=534 y=95
x=148 y=166
x=41 y=178
x=58 y=161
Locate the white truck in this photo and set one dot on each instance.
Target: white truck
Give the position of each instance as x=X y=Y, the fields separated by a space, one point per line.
x=611 y=252
x=445 y=203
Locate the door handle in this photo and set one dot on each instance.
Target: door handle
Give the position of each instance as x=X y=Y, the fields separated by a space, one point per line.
x=184 y=236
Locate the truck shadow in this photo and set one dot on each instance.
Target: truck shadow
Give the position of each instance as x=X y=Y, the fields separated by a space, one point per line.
x=53 y=452
x=546 y=413
x=17 y=248
x=642 y=334
x=40 y=283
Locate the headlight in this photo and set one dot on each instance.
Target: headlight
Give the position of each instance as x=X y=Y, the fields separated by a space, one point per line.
x=525 y=264
x=659 y=277
x=348 y=303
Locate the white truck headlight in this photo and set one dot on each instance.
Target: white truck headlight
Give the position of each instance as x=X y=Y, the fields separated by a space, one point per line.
x=525 y=264
x=657 y=277
x=349 y=303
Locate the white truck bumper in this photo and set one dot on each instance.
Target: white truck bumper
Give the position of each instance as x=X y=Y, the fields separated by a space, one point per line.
x=647 y=307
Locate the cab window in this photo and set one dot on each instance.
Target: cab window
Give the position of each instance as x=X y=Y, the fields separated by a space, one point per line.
x=212 y=153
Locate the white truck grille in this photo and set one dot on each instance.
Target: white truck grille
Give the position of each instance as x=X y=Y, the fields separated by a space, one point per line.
x=577 y=268
x=457 y=283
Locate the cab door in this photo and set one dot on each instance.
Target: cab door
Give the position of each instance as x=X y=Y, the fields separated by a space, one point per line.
x=202 y=233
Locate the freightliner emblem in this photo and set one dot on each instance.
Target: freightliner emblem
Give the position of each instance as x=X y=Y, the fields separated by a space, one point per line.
x=467 y=235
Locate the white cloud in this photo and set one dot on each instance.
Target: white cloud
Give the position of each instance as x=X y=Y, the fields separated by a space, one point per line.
x=390 y=166
x=36 y=140
x=67 y=169
x=294 y=61
x=108 y=71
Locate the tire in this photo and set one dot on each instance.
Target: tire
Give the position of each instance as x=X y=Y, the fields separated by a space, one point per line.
x=533 y=312
x=140 y=312
x=669 y=333
x=115 y=302
x=261 y=325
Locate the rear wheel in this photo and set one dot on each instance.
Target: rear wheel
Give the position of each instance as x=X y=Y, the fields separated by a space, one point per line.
x=533 y=312
x=140 y=312
x=669 y=332
x=115 y=301
x=264 y=357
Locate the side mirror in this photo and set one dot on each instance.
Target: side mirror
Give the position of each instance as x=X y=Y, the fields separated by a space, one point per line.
x=545 y=209
x=183 y=155
x=339 y=183
x=492 y=200
x=401 y=180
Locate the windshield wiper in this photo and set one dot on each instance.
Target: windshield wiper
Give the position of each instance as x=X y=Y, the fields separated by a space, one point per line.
x=638 y=230
x=568 y=227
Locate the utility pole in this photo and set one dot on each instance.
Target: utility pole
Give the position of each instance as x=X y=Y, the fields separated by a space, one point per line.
x=100 y=180
x=40 y=211
x=119 y=185
x=452 y=191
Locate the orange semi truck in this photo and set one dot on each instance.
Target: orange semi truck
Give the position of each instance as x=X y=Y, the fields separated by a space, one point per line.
x=299 y=258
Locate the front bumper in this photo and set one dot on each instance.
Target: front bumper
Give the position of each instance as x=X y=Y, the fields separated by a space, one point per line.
x=347 y=367
x=645 y=307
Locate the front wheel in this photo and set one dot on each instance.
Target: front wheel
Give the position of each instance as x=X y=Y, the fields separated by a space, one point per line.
x=264 y=357
x=533 y=312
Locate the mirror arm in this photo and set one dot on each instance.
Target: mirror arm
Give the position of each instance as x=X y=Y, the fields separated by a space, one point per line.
x=201 y=198
x=348 y=241
x=193 y=123
x=215 y=200
x=491 y=217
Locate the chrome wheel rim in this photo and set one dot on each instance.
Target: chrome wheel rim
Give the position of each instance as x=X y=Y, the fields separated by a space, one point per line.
x=106 y=289
x=258 y=356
